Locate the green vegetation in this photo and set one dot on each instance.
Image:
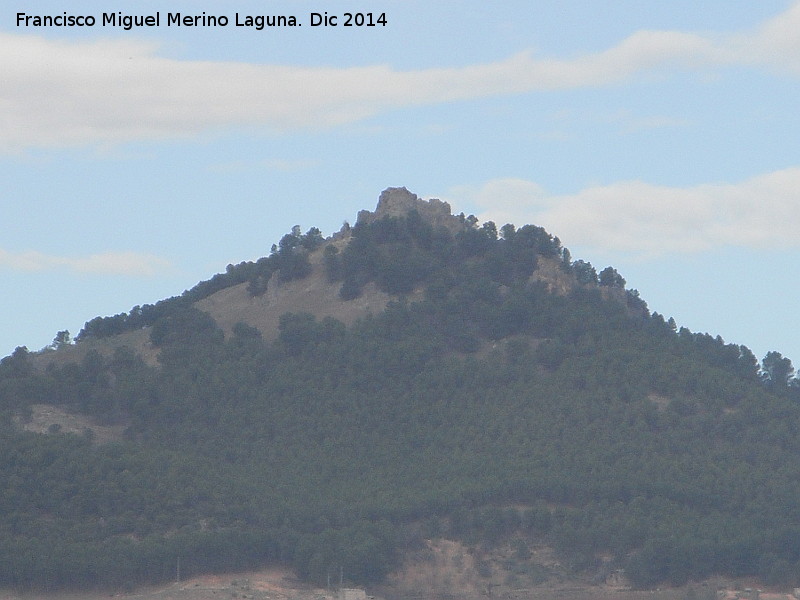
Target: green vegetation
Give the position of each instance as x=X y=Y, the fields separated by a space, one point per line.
x=609 y=429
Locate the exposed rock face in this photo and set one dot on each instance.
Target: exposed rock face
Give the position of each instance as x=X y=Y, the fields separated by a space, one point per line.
x=398 y=202
x=550 y=272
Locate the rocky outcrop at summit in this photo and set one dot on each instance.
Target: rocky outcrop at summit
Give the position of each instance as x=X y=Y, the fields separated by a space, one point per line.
x=398 y=202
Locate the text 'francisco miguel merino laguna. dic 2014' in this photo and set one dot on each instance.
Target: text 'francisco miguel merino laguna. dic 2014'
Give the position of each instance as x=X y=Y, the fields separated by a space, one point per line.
x=258 y=22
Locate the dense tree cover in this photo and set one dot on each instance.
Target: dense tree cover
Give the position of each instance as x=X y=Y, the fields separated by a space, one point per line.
x=399 y=253
x=609 y=430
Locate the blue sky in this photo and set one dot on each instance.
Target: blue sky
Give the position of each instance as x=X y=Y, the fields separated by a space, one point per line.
x=660 y=138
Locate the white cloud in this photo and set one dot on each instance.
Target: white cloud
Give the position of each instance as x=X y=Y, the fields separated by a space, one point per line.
x=61 y=93
x=650 y=220
x=775 y=43
x=107 y=263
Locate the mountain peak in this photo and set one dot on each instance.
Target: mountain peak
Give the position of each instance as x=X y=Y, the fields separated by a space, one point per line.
x=398 y=202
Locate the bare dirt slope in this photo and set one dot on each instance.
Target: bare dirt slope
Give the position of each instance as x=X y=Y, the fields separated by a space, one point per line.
x=269 y=584
x=138 y=341
x=47 y=418
x=313 y=294
x=449 y=570
x=278 y=584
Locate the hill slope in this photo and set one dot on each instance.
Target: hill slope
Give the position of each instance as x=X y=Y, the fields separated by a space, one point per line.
x=417 y=375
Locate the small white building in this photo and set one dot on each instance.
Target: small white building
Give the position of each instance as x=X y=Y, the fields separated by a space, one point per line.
x=351 y=594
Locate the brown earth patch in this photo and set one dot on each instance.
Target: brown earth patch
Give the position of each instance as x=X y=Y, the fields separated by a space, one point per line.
x=267 y=584
x=313 y=294
x=138 y=341
x=443 y=570
x=48 y=419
